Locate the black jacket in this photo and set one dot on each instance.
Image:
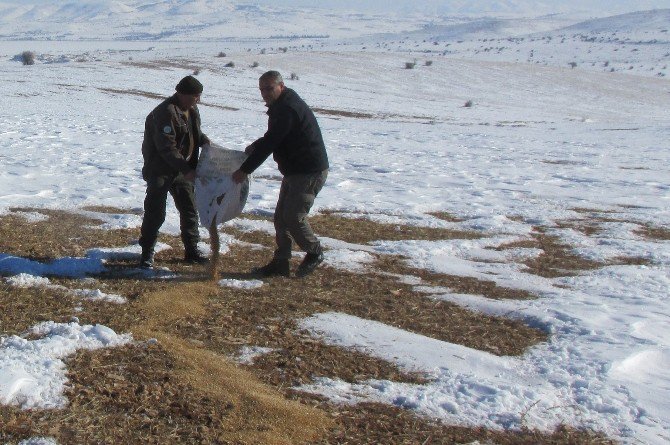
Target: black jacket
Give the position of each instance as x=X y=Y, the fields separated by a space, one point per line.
x=293 y=137
x=166 y=143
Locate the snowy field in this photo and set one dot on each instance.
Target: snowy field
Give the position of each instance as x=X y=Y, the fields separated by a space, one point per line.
x=541 y=143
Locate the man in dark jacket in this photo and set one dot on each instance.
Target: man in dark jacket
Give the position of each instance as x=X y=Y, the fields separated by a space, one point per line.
x=172 y=141
x=294 y=139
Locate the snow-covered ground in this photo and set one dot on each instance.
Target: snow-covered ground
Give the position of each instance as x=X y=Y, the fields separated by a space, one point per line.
x=540 y=143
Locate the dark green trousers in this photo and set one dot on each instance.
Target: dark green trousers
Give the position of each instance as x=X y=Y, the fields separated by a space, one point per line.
x=296 y=197
x=155 y=204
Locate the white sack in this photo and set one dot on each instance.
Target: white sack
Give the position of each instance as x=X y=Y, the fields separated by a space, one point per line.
x=217 y=197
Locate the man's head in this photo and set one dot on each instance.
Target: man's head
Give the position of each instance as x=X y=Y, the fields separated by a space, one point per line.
x=189 y=90
x=271 y=85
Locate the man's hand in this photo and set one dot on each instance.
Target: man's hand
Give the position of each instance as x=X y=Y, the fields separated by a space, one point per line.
x=190 y=176
x=239 y=176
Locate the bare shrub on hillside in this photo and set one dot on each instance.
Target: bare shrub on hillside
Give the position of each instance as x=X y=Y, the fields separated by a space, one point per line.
x=254 y=65
x=230 y=65
x=27 y=58
x=221 y=54
x=468 y=104
x=294 y=76
x=410 y=65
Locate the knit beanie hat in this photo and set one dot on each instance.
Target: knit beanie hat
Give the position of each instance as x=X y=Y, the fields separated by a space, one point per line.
x=189 y=85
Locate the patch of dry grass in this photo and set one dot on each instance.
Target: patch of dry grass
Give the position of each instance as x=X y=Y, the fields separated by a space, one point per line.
x=362 y=230
x=63 y=234
x=158 y=97
x=160 y=64
x=654 y=233
x=446 y=216
x=111 y=210
x=138 y=394
x=23 y=308
x=458 y=284
x=371 y=423
x=381 y=116
x=184 y=390
x=558 y=259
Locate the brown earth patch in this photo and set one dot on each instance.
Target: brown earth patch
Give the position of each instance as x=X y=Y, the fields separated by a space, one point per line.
x=343 y=113
x=561 y=162
x=134 y=93
x=591 y=211
x=159 y=97
x=360 y=115
x=161 y=64
x=446 y=216
x=654 y=233
x=634 y=168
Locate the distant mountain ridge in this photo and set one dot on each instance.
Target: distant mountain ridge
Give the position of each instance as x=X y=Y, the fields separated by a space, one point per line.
x=634 y=21
x=221 y=20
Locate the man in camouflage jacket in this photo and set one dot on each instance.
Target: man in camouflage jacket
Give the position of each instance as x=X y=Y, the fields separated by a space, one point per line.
x=171 y=146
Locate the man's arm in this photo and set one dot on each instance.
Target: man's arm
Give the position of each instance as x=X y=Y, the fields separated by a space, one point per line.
x=279 y=126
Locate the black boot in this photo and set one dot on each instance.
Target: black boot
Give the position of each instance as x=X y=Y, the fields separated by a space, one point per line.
x=194 y=256
x=276 y=267
x=147 y=259
x=309 y=263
